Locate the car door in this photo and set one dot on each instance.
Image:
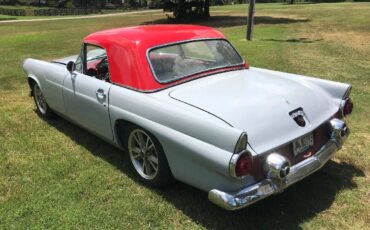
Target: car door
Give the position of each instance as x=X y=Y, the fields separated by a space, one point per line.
x=54 y=78
x=86 y=96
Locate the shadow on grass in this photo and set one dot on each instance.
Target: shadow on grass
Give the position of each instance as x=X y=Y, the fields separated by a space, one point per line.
x=7 y=19
x=92 y=143
x=287 y=210
x=228 y=21
x=293 y=40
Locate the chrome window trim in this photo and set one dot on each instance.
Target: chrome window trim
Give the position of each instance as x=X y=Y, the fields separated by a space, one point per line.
x=84 y=56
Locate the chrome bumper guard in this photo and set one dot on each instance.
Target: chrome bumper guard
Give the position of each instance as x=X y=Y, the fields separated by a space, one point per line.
x=276 y=180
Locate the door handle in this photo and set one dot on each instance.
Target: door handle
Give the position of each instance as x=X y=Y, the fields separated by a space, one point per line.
x=100 y=94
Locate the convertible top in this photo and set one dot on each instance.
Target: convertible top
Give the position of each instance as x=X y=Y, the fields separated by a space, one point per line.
x=127 y=50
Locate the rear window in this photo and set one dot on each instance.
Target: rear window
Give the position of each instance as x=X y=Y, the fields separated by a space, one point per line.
x=173 y=62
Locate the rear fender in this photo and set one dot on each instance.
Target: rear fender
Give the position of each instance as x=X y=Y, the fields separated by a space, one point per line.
x=336 y=90
x=191 y=160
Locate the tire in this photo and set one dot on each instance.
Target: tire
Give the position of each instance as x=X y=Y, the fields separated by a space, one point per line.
x=42 y=107
x=146 y=157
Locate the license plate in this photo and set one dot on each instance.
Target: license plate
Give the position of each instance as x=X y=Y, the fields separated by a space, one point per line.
x=302 y=144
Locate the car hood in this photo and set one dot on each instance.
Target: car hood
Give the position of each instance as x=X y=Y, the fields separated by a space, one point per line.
x=259 y=103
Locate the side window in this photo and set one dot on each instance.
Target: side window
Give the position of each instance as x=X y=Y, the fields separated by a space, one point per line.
x=94 y=62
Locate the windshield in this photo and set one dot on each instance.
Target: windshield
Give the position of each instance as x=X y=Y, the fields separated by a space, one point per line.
x=94 y=53
x=177 y=61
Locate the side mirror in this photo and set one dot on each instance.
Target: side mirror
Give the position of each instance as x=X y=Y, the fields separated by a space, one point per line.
x=71 y=66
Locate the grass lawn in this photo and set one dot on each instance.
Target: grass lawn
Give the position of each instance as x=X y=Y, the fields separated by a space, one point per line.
x=56 y=175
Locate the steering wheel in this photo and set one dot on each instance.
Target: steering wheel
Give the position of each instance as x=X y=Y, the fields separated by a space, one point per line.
x=103 y=69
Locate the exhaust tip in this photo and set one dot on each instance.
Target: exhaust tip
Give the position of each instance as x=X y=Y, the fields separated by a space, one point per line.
x=285 y=169
x=339 y=131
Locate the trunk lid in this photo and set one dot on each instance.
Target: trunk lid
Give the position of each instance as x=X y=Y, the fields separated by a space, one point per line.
x=259 y=104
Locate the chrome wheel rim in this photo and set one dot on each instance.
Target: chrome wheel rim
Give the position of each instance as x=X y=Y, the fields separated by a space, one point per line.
x=143 y=154
x=40 y=100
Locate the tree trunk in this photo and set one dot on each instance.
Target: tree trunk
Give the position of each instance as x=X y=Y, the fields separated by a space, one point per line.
x=180 y=10
x=206 y=9
x=250 y=20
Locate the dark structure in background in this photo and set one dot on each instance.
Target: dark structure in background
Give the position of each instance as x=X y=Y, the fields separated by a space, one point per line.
x=200 y=9
x=187 y=8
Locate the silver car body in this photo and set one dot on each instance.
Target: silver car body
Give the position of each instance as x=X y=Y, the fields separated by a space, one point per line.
x=199 y=122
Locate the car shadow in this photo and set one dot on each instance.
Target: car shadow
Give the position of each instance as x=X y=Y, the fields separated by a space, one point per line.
x=287 y=210
x=228 y=21
x=7 y=19
x=294 y=40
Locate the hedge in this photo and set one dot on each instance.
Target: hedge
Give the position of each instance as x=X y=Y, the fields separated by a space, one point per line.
x=48 y=12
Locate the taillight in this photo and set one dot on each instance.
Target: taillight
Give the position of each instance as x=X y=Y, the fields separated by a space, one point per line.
x=243 y=165
x=241 y=161
x=347 y=106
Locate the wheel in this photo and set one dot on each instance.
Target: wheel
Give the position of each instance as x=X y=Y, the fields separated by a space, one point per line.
x=42 y=107
x=147 y=158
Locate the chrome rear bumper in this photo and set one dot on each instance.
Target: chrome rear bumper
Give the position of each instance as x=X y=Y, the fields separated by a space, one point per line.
x=273 y=184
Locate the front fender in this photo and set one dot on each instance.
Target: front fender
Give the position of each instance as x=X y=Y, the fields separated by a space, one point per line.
x=32 y=72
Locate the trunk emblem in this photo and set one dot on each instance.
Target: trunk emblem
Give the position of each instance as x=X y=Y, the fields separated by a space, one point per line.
x=299 y=117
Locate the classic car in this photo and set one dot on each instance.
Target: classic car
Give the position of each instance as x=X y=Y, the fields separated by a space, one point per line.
x=184 y=105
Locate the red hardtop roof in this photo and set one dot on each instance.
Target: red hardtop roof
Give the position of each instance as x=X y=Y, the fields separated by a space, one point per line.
x=152 y=35
x=127 y=48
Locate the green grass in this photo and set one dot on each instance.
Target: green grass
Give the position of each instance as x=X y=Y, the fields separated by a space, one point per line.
x=56 y=175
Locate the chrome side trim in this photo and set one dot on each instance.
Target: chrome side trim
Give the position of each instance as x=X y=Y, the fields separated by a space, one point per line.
x=274 y=184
